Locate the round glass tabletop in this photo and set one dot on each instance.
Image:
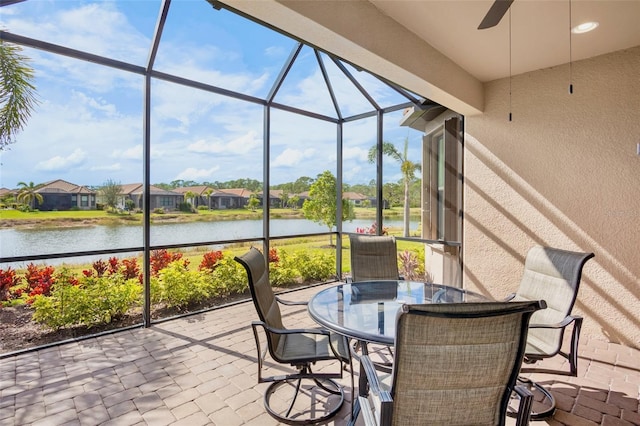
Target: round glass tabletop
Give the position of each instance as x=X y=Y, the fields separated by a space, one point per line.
x=367 y=310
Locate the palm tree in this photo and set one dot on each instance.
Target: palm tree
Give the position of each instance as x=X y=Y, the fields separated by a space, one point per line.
x=17 y=93
x=27 y=194
x=407 y=167
x=207 y=193
x=190 y=195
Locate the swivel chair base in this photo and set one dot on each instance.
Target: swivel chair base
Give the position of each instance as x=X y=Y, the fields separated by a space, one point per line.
x=548 y=401
x=328 y=390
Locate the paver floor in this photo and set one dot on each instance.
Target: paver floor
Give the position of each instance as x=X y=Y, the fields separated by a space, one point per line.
x=201 y=370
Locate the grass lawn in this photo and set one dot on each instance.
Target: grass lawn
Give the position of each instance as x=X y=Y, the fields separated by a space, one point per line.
x=80 y=214
x=10 y=218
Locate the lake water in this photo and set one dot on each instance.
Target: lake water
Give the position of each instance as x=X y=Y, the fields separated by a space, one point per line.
x=28 y=242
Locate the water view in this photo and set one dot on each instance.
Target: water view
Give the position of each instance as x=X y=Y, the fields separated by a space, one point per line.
x=27 y=242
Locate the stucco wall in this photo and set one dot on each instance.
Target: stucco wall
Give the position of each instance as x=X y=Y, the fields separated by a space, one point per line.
x=563 y=173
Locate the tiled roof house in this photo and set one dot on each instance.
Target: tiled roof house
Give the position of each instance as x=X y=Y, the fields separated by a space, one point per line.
x=159 y=198
x=62 y=195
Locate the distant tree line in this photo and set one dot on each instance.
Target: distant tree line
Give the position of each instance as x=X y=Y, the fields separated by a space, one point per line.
x=392 y=192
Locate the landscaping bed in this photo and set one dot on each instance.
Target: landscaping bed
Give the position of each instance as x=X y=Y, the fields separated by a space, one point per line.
x=18 y=331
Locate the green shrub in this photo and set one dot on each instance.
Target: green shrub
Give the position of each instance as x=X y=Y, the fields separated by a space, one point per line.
x=228 y=276
x=177 y=286
x=315 y=266
x=129 y=205
x=203 y=207
x=186 y=207
x=158 y=210
x=283 y=272
x=95 y=300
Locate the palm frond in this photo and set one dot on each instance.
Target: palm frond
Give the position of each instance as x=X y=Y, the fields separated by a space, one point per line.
x=17 y=92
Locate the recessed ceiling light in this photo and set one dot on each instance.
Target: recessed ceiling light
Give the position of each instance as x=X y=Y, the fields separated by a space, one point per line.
x=584 y=27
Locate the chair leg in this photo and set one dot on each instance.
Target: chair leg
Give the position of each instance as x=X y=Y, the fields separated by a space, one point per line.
x=295 y=396
x=292 y=417
x=551 y=401
x=573 y=354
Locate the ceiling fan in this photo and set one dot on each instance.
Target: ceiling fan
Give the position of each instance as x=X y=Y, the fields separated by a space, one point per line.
x=495 y=14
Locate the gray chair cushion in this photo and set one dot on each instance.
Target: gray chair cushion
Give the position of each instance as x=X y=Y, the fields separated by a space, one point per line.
x=552 y=275
x=373 y=258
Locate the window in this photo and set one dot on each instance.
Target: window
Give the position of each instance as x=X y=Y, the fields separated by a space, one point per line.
x=442 y=196
x=84 y=201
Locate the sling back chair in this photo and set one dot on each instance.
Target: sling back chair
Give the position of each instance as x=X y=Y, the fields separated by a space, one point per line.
x=373 y=258
x=301 y=348
x=456 y=364
x=553 y=275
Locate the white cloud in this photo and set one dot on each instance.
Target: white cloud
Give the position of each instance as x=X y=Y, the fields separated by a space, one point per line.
x=99 y=28
x=207 y=147
x=59 y=163
x=355 y=153
x=275 y=51
x=349 y=174
x=292 y=157
x=245 y=143
x=108 y=167
x=240 y=145
x=196 y=174
x=97 y=110
x=207 y=63
x=133 y=153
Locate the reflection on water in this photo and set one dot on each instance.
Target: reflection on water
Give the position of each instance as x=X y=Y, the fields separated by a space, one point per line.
x=28 y=242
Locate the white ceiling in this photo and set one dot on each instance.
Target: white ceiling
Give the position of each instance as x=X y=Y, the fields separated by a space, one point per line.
x=539 y=31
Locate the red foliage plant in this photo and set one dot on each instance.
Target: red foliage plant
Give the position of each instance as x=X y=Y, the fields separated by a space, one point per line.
x=372 y=230
x=160 y=259
x=127 y=267
x=100 y=267
x=273 y=256
x=40 y=280
x=113 y=265
x=210 y=260
x=130 y=268
x=8 y=279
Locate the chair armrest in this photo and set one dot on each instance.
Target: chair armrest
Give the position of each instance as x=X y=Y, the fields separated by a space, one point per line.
x=524 y=408
x=290 y=330
x=291 y=302
x=508 y=297
x=562 y=324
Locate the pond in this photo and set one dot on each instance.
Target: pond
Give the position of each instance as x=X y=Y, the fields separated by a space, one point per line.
x=28 y=242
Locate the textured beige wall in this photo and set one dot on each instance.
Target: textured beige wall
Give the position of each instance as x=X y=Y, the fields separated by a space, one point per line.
x=563 y=173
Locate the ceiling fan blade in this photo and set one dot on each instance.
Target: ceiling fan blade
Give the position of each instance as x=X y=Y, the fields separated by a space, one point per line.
x=495 y=14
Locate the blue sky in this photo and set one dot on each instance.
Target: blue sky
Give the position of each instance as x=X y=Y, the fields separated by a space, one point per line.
x=88 y=126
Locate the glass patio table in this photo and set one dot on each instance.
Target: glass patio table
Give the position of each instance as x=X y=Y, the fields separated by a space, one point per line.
x=366 y=311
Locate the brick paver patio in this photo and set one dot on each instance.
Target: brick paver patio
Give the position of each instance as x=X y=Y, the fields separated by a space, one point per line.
x=201 y=370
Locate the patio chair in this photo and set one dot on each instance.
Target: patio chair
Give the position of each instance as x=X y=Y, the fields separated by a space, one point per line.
x=456 y=364
x=298 y=347
x=553 y=275
x=373 y=258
